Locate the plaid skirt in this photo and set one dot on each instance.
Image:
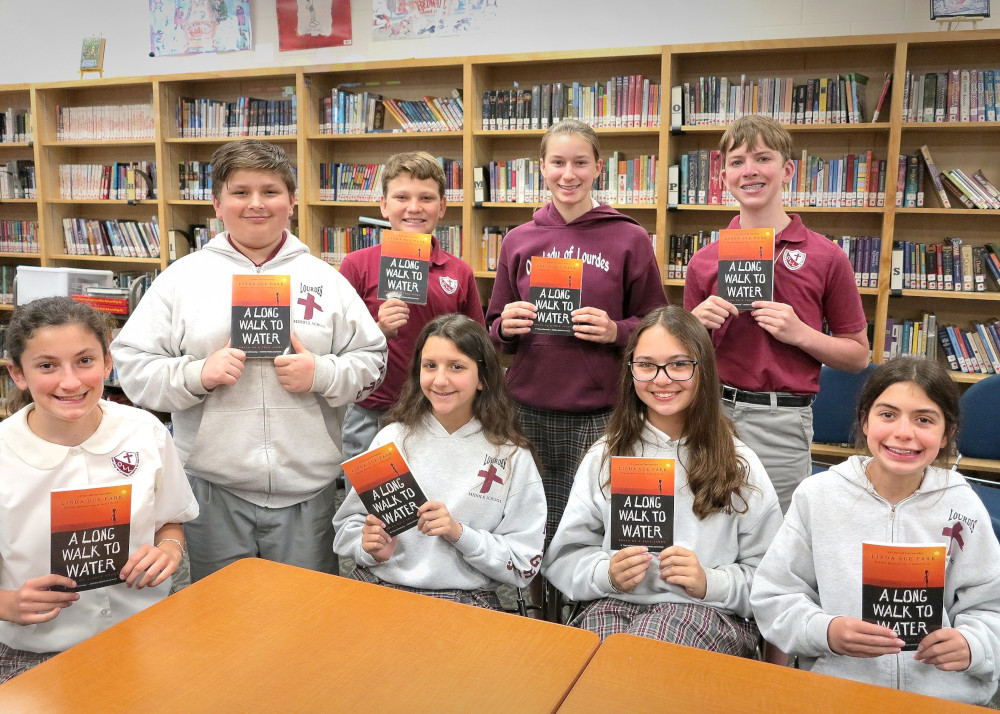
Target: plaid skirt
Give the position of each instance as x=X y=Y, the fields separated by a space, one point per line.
x=561 y=439
x=486 y=599
x=688 y=624
x=14 y=662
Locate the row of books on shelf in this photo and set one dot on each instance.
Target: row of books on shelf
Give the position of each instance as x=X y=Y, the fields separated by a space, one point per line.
x=718 y=101
x=120 y=298
x=622 y=101
x=18 y=236
x=17 y=179
x=865 y=254
x=682 y=247
x=347 y=112
x=124 y=181
x=951 y=265
x=975 y=350
x=120 y=238
x=195 y=178
x=181 y=242
x=15 y=126
x=957 y=95
x=969 y=191
x=350 y=182
x=244 y=116
x=336 y=241
x=107 y=122
x=851 y=181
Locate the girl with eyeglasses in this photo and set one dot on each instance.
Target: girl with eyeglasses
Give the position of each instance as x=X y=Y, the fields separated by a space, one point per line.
x=695 y=592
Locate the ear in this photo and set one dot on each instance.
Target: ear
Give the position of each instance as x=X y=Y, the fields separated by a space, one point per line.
x=218 y=207
x=384 y=206
x=442 y=208
x=788 y=170
x=18 y=376
x=108 y=364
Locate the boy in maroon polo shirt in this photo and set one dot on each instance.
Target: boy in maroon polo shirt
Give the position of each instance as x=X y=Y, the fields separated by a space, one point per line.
x=413 y=185
x=769 y=358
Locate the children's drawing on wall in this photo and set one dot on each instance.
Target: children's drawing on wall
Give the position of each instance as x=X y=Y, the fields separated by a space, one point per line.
x=306 y=24
x=411 y=19
x=184 y=27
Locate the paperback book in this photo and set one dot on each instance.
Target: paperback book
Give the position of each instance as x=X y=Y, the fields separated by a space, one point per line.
x=642 y=502
x=386 y=487
x=404 y=266
x=902 y=588
x=555 y=288
x=261 y=314
x=746 y=266
x=90 y=532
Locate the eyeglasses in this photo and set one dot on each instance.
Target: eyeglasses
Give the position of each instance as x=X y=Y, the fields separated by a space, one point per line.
x=679 y=371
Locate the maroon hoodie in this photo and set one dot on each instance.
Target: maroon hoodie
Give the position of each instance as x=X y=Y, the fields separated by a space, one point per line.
x=620 y=276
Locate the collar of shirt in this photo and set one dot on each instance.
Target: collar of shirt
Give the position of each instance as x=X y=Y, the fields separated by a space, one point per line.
x=41 y=454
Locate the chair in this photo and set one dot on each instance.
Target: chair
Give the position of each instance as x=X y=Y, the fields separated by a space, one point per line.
x=979 y=435
x=834 y=412
x=989 y=493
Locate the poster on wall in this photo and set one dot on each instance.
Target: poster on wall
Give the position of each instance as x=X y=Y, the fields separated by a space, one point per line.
x=185 y=27
x=307 y=24
x=414 y=19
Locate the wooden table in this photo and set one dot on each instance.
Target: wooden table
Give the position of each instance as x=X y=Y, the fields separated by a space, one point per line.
x=635 y=674
x=263 y=637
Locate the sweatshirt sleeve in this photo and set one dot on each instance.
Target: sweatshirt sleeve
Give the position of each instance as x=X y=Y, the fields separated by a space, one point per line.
x=643 y=289
x=728 y=586
x=512 y=552
x=576 y=561
x=785 y=596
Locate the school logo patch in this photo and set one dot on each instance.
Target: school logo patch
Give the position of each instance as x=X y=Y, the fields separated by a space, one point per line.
x=793 y=259
x=449 y=285
x=126 y=462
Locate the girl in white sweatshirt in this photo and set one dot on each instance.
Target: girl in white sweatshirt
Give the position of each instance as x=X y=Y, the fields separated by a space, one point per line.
x=456 y=426
x=696 y=591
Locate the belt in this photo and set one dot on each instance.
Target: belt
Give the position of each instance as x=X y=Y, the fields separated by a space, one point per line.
x=733 y=395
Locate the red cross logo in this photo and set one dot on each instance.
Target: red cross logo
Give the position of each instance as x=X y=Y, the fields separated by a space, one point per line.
x=489 y=477
x=955 y=534
x=310 y=302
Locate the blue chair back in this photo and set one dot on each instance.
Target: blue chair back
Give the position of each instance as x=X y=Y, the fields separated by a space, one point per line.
x=833 y=410
x=979 y=433
x=989 y=493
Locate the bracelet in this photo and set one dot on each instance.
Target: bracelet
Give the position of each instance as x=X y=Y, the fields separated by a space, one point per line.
x=612 y=582
x=173 y=540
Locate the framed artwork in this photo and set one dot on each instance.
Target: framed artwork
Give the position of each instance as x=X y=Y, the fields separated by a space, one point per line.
x=943 y=9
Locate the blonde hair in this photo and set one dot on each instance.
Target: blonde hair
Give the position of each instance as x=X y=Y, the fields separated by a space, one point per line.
x=753 y=129
x=418 y=164
x=573 y=126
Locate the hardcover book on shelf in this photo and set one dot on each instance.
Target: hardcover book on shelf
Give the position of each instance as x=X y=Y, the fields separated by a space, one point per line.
x=261 y=314
x=925 y=152
x=555 y=288
x=746 y=266
x=386 y=487
x=404 y=266
x=903 y=588
x=642 y=502
x=90 y=530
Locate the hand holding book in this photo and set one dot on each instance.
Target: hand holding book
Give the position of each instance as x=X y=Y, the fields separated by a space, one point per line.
x=947 y=649
x=680 y=566
x=296 y=370
x=38 y=600
x=517 y=318
x=852 y=637
x=435 y=520
x=375 y=540
x=628 y=567
x=392 y=315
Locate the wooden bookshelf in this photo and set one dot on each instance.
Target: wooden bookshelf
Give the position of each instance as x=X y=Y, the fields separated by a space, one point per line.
x=969 y=145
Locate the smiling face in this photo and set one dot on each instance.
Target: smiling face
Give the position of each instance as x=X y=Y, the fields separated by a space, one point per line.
x=413 y=205
x=756 y=176
x=64 y=368
x=905 y=431
x=449 y=379
x=666 y=401
x=570 y=168
x=255 y=207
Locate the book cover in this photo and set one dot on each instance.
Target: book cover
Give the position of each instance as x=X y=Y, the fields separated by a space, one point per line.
x=404 y=266
x=902 y=587
x=386 y=487
x=555 y=290
x=92 y=54
x=90 y=531
x=642 y=502
x=925 y=152
x=261 y=314
x=746 y=266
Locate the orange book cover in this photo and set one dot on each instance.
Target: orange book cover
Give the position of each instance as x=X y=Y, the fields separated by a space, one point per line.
x=90 y=531
x=261 y=314
x=404 y=266
x=555 y=288
x=746 y=266
x=902 y=587
x=642 y=502
x=386 y=487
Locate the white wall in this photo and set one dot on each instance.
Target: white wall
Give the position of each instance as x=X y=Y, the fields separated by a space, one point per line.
x=41 y=38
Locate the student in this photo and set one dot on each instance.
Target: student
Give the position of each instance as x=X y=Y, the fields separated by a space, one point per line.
x=65 y=436
x=456 y=426
x=260 y=439
x=413 y=185
x=807 y=593
x=559 y=382
x=770 y=357
x=697 y=591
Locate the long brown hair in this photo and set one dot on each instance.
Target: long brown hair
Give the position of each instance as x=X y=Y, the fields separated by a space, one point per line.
x=716 y=472
x=492 y=406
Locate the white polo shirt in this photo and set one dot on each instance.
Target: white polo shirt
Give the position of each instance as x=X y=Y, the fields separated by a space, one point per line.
x=30 y=468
